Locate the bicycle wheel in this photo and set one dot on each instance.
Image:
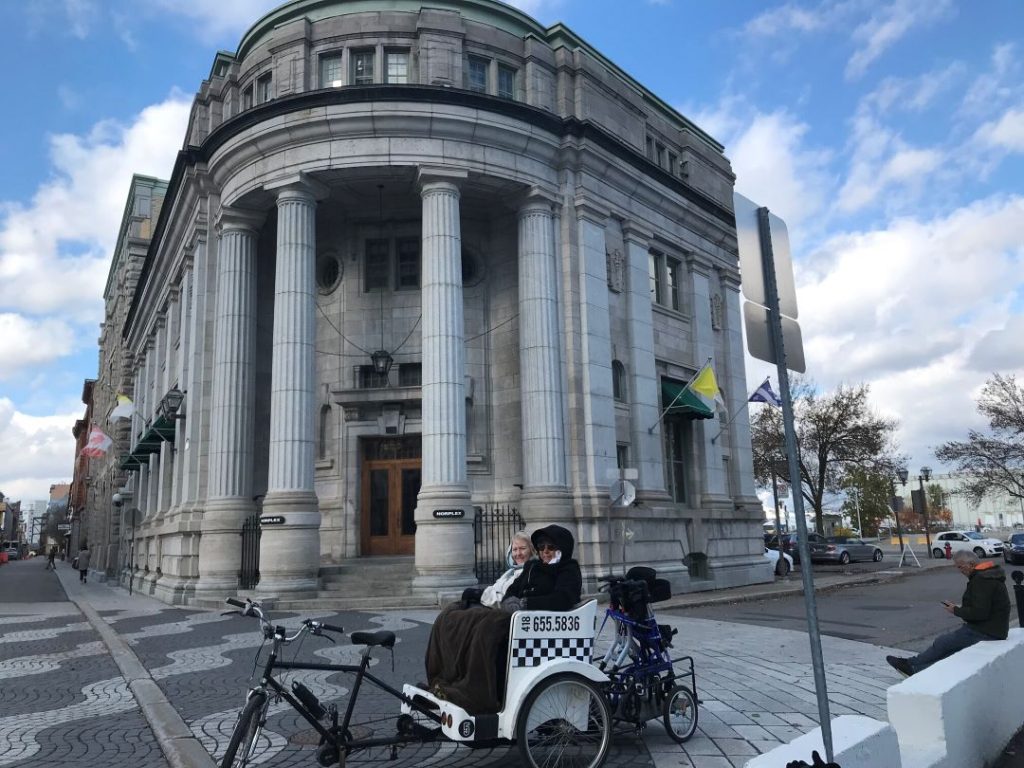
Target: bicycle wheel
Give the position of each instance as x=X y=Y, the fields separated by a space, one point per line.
x=246 y=733
x=680 y=713
x=565 y=721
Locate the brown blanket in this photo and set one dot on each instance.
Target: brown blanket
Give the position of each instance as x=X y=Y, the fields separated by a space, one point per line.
x=466 y=657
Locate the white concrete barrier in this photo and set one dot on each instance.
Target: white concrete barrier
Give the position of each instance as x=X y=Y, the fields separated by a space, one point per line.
x=857 y=742
x=961 y=711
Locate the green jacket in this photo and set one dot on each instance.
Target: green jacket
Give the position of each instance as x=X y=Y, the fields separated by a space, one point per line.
x=986 y=603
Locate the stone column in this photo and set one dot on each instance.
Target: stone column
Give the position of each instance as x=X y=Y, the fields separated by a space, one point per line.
x=444 y=515
x=290 y=551
x=545 y=497
x=736 y=383
x=642 y=375
x=715 y=488
x=232 y=427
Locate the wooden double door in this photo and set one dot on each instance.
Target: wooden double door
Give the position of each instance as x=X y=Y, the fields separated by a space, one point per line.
x=390 y=484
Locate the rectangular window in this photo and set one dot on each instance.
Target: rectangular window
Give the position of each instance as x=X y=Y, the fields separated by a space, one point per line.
x=674 y=287
x=263 y=92
x=675 y=458
x=396 y=67
x=368 y=378
x=659 y=154
x=362 y=67
x=375 y=265
x=407 y=273
x=621 y=456
x=650 y=148
x=654 y=266
x=410 y=375
x=247 y=98
x=476 y=74
x=673 y=161
x=330 y=71
x=506 y=82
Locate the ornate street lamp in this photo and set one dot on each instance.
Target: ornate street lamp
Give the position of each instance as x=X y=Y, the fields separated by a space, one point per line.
x=382 y=361
x=171 y=402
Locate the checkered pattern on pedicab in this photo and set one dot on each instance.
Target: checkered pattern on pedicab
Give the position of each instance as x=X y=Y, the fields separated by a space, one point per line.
x=531 y=651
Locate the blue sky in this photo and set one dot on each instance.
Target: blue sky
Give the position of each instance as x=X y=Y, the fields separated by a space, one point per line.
x=888 y=133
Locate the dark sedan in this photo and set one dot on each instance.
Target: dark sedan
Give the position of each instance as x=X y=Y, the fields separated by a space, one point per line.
x=845 y=549
x=1013 y=549
x=790 y=546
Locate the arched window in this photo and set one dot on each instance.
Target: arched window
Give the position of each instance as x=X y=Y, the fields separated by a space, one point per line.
x=618 y=381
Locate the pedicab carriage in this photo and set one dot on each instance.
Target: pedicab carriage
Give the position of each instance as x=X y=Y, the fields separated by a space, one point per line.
x=559 y=706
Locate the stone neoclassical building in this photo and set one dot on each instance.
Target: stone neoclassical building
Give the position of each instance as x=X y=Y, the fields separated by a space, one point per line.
x=419 y=258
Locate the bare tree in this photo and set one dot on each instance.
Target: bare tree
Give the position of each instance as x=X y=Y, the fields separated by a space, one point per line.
x=993 y=463
x=836 y=432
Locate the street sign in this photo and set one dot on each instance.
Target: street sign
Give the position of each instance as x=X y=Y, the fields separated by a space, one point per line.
x=623 y=493
x=63 y=526
x=759 y=337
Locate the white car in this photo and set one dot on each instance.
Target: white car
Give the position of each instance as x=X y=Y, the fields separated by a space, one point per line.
x=781 y=569
x=970 y=541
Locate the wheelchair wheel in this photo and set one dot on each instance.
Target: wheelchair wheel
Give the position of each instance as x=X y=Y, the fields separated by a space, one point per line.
x=565 y=721
x=247 y=732
x=680 y=713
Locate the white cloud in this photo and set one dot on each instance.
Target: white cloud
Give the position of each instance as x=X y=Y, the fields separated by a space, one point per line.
x=39 y=451
x=786 y=19
x=25 y=342
x=887 y=26
x=1000 y=86
x=224 y=19
x=914 y=94
x=55 y=250
x=1005 y=133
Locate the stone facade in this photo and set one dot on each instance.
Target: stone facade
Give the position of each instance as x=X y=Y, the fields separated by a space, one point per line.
x=535 y=241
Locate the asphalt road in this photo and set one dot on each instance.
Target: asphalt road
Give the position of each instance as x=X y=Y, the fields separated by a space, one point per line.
x=906 y=613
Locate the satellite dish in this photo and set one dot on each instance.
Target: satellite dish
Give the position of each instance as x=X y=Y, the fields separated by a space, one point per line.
x=623 y=493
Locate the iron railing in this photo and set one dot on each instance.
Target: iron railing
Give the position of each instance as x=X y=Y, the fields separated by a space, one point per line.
x=249 y=575
x=493 y=527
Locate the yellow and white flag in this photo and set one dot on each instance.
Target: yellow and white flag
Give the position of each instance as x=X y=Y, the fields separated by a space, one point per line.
x=705 y=384
x=124 y=410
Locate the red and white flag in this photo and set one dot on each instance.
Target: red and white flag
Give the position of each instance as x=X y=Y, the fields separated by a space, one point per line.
x=99 y=443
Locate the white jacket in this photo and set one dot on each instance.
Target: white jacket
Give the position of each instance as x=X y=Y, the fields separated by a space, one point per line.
x=493 y=595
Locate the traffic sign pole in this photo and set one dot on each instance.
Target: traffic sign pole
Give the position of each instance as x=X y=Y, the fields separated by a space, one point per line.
x=775 y=323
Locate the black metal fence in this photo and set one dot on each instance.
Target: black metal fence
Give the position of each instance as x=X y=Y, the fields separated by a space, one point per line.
x=492 y=531
x=249 y=576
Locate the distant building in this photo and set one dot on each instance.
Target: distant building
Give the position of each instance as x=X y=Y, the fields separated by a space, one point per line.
x=416 y=260
x=1000 y=511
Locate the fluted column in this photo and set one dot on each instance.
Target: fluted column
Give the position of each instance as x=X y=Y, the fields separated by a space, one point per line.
x=290 y=552
x=545 y=498
x=444 y=542
x=232 y=426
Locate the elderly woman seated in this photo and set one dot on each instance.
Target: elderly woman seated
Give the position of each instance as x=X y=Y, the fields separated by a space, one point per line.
x=468 y=646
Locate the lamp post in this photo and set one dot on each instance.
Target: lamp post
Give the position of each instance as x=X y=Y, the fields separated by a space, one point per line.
x=901 y=475
x=926 y=474
x=856 y=503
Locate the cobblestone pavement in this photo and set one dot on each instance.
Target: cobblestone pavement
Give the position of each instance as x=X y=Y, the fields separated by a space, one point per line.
x=62 y=701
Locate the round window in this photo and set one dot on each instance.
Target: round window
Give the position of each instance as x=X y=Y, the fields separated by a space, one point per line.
x=328 y=272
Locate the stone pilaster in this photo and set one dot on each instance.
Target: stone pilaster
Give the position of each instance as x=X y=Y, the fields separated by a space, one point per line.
x=715 y=490
x=444 y=544
x=290 y=552
x=230 y=494
x=545 y=496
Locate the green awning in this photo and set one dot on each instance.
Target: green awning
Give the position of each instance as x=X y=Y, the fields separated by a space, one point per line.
x=159 y=432
x=131 y=462
x=685 y=402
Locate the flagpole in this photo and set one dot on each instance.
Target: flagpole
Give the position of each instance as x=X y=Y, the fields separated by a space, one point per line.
x=679 y=394
x=730 y=421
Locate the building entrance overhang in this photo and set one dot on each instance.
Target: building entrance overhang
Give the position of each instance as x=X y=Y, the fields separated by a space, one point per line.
x=684 y=402
x=160 y=431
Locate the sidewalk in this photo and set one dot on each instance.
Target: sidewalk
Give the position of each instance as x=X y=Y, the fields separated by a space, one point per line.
x=187 y=672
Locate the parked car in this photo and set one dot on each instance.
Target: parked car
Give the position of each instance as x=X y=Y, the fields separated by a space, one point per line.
x=1013 y=548
x=781 y=568
x=845 y=549
x=13 y=553
x=980 y=545
x=790 y=545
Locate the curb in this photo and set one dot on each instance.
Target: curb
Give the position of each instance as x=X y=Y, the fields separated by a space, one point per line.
x=180 y=747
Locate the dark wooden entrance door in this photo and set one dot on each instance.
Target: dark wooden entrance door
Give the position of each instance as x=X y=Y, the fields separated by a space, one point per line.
x=390 y=484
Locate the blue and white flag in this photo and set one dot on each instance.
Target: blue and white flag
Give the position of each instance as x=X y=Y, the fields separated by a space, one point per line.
x=764 y=394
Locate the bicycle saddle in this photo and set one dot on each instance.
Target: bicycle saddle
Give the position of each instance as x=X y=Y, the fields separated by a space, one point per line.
x=384 y=638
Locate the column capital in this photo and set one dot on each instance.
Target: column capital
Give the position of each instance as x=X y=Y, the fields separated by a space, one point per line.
x=439 y=178
x=587 y=209
x=538 y=199
x=297 y=186
x=637 y=235
x=239 y=220
x=699 y=263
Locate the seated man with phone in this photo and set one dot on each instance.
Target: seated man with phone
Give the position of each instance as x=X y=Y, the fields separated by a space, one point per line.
x=984 y=608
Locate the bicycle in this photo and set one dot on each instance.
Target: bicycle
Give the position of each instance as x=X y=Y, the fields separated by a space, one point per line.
x=336 y=739
x=643 y=680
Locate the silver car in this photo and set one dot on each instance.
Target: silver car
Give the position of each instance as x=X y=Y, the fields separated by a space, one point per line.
x=846 y=549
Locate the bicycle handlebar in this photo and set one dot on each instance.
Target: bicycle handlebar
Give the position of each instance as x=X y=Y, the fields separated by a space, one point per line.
x=236 y=603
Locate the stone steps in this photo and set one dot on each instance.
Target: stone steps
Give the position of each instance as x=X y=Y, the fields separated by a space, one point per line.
x=329 y=601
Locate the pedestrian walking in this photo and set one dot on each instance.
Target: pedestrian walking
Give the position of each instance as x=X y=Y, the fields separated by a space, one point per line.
x=984 y=608
x=50 y=558
x=83 y=562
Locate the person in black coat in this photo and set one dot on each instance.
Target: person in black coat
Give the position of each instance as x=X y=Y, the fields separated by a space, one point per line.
x=552 y=583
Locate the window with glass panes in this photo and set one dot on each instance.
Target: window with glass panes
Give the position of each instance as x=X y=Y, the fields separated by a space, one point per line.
x=330 y=71
x=410 y=374
x=263 y=84
x=375 y=265
x=654 y=267
x=407 y=274
x=396 y=67
x=675 y=270
x=676 y=435
x=362 y=67
x=476 y=74
x=247 y=97
x=506 y=82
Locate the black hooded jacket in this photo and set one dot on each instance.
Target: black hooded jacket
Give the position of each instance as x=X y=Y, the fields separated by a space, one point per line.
x=550 y=587
x=985 y=605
